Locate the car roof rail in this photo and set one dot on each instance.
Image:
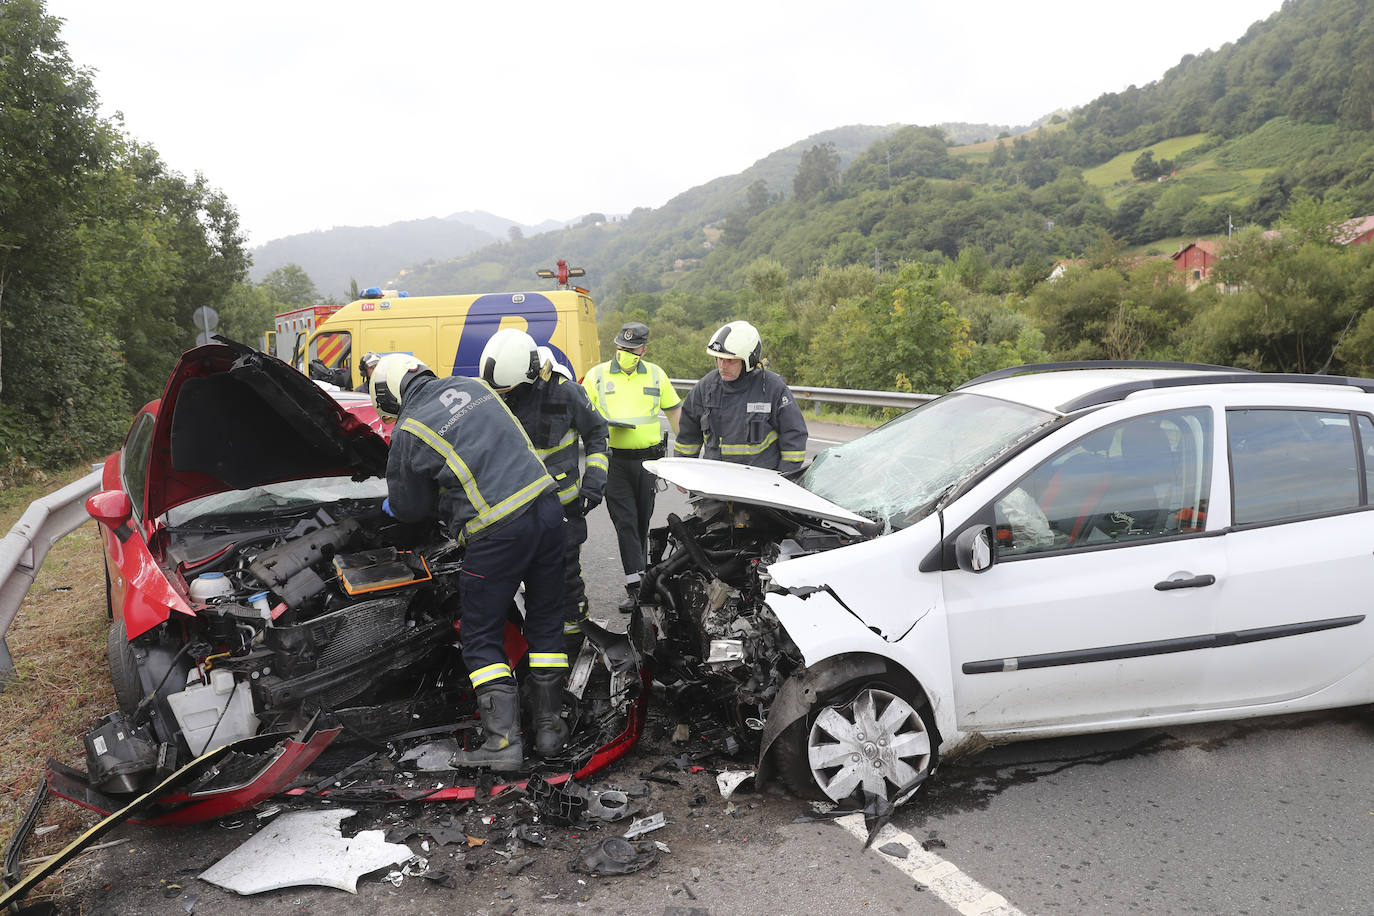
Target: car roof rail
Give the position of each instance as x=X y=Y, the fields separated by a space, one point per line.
x=1237 y=376
x=1012 y=371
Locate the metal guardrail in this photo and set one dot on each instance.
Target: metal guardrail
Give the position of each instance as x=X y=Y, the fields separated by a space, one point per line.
x=22 y=551
x=849 y=397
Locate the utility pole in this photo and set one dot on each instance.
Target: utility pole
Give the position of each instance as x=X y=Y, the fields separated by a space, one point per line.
x=877 y=261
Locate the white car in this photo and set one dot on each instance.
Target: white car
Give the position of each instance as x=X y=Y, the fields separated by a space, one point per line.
x=1049 y=550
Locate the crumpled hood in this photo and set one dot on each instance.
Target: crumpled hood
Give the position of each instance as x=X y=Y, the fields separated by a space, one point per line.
x=741 y=483
x=232 y=417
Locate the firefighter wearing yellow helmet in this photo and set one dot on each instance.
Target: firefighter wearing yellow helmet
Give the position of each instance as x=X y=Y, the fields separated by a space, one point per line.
x=740 y=411
x=459 y=454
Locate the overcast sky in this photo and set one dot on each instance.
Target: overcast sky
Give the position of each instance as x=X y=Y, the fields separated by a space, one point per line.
x=310 y=115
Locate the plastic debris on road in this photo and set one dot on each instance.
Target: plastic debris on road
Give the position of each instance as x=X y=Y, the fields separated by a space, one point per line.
x=730 y=780
x=645 y=825
x=304 y=848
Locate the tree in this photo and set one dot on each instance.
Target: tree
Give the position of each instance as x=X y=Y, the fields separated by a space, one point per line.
x=291 y=286
x=819 y=171
x=1145 y=168
x=515 y=234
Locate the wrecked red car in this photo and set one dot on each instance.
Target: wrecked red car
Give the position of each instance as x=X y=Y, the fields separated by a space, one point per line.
x=262 y=601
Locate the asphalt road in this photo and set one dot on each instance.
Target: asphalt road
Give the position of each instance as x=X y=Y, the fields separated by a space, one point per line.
x=1265 y=816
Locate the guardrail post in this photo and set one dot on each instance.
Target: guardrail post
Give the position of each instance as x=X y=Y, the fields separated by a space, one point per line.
x=22 y=551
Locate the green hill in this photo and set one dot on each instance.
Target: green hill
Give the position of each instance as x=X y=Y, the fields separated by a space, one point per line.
x=1286 y=110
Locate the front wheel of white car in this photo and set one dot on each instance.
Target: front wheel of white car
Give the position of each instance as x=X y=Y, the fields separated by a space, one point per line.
x=863 y=739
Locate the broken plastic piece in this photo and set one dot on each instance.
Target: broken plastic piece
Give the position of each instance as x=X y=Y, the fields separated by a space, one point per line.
x=645 y=825
x=730 y=780
x=563 y=805
x=433 y=755
x=304 y=847
x=608 y=804
x=894 y=849
x=614 y=856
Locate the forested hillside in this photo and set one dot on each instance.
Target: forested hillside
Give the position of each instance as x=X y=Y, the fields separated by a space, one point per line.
x=1230 y=136
x=367 y=255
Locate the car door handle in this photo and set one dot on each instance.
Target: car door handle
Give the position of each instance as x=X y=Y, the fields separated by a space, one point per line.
x=1194 y=582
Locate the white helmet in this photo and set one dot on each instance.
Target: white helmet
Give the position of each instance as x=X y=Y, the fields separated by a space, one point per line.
x=391 y=377
x=737 y=340
x=548 y=361
x=509 y=359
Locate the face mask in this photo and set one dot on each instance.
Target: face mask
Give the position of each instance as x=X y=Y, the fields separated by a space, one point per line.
x=626 y=360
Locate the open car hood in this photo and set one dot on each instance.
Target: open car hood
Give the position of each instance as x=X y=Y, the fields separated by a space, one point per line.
x=742 y=483
x=232 y=417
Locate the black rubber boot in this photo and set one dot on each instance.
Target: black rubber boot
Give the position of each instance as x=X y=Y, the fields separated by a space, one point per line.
x=503 y=749
x=546 y=695
x=629 y=604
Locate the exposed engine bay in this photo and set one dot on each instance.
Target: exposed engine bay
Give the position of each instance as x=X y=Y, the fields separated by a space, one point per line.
x=720 y=652
x=329 y=616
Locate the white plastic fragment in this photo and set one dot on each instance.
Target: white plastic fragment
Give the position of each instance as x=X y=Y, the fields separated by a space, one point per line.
x=730 y=780
x=644 y=825
x=304 y=847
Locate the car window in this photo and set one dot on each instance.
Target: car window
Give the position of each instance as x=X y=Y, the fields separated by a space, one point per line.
x=1142 y=479
x=133 y=461
x=1291 y=463
x=331 y=358
x=1367 y=445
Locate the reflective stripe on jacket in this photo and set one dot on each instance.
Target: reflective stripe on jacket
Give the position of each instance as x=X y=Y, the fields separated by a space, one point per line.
x=753 y=420
x=635 y=398
x=555 y=413
x=459 y=453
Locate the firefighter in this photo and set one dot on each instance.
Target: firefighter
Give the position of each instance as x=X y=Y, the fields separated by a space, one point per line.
x=365 y=367
x=741 y=412
x=555 y=413
x=630 y=392
x=459 y=454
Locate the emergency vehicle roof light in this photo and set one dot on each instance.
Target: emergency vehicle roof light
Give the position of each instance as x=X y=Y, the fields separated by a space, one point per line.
x=545 y=274
x=372 y=292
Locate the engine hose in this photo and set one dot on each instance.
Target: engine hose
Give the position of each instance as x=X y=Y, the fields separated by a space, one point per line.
x=690 y=543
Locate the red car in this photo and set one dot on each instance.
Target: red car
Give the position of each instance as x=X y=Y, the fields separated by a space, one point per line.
x=262 y=600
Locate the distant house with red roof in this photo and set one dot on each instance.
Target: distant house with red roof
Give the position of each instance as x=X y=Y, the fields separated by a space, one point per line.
x=1196 y=259
x=1358 y=231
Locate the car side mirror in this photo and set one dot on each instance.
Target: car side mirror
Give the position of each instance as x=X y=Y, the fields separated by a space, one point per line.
x=973 y=549
x=111 y=508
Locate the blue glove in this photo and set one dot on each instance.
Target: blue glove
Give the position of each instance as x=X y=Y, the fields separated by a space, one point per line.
x=386 y=507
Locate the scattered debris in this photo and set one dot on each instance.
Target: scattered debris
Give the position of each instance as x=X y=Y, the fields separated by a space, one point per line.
x=45 y=830
x=615 y=856
x=608 y=804
x=682 y=734
x=730 y=780
x=304 y=847
x=529 y=834
x=645 y=825
x=896 y=850
x=563 y=805
x=433 y=756
x=476 y=841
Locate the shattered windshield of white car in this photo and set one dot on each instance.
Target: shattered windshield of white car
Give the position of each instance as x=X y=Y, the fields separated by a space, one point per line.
x=895 y=473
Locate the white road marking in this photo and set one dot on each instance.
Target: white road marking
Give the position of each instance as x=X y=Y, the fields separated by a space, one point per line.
x=941 y=877
x=826 y=441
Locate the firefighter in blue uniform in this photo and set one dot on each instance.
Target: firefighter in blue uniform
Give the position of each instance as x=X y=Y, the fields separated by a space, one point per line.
x=555 y=414
x=458 y=453
x=741 y=412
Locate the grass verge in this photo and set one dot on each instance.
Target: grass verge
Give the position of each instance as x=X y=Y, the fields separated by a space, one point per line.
x=60 y=685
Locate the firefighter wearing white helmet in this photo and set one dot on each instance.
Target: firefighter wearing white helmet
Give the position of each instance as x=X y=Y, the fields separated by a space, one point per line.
x=740 y=411
x=555 y=413
x=459 y=454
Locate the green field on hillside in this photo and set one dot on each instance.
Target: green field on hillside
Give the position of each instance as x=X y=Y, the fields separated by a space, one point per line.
x=1118 y=169
x=981 y=152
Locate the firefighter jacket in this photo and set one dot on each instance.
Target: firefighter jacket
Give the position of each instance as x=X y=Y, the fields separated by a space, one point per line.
x=457 y=452
x=633 y=398
x=555 y=414
x=753 y=420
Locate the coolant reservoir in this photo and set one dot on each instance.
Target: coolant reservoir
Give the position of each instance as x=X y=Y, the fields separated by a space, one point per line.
x=210 y=585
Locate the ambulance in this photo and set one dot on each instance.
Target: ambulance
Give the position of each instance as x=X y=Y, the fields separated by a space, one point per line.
x=447 y=333
x=293 y=328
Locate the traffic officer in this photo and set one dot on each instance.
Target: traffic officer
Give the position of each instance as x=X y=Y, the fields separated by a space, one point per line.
x=630 y=392
x=740 y=411
x=458 y=453
x=555 y=414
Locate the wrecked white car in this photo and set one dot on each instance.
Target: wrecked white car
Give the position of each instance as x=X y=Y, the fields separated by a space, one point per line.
x=1046 y=551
